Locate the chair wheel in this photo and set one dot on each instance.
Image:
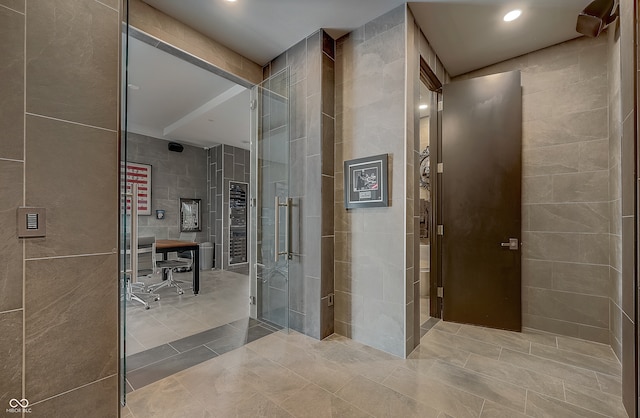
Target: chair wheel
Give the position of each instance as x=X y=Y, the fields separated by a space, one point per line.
x=180 y=292
x=147 y=307
x=156 y=299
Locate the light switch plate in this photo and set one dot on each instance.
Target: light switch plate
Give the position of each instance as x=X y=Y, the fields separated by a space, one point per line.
x=32 y=222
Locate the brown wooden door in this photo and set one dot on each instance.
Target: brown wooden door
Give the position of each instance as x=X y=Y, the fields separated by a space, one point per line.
x=481 y=199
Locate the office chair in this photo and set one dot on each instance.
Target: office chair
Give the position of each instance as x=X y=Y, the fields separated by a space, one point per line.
x=145 y=245
x=169 y=266
x=186 y=256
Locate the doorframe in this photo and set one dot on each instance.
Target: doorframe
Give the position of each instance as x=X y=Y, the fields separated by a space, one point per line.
x=434 y=84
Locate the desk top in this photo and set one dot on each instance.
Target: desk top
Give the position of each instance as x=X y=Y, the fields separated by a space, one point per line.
x=174 y=243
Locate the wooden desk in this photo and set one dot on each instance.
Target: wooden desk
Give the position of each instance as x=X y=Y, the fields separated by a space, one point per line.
x=164 y=246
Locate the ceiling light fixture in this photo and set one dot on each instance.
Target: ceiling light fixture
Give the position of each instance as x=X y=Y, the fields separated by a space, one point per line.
x=423 y=106
x=133 y=87
x=231 y=1
x=512 y=15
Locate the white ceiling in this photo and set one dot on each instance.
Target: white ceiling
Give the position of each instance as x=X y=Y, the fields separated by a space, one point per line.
x=471 y=34
x=181 y=102
x=178 y=101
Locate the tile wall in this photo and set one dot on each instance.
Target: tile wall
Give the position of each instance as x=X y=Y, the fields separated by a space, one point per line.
x=174 y=175
x=226 y=163
x=566 y=203
x=59 y=150
x=312 y=121
x=373 y=268
x=623 y=249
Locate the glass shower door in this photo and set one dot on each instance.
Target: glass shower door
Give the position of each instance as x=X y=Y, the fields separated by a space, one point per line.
x=271 y=205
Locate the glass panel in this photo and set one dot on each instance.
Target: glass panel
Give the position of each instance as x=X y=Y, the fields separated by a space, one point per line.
x=270 y=179
x=124 y=215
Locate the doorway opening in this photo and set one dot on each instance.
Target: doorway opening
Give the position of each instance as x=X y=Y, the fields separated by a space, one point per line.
x=197 y=144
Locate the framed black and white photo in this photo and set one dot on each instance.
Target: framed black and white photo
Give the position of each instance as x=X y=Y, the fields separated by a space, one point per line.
x=190 y=216
x=366 y=182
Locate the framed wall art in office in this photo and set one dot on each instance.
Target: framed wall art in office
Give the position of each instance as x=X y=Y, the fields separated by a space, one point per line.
x=366 y=182
x=190 y=215
x=139 y=174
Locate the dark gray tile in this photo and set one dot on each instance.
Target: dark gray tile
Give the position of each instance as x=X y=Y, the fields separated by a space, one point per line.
x=227 y=343
x=327 y=204
x=628 y=284
x=11 y=190
x=12 y=82
x=244 y=323
x=71 y=297
x=429 y=323
x=328 y=86
x=70 y=171
x=17 y=5
x=64 y=82
x=100 y=398
x=627 y=167
x=255 y=333
x=629 y=368
x=328 y=145
x=152 y=373
x=328 y=45
x=147 y=357
x=11 y=349
x=327 y=275
x=327 y=315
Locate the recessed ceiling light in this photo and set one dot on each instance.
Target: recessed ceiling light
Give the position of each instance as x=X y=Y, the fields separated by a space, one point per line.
x=512 y=15
x=423 y=106
x=133 y=87
x=231 y=1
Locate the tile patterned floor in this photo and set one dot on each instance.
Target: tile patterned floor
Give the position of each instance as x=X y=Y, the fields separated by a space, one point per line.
x=457 y=371
x=223 y=298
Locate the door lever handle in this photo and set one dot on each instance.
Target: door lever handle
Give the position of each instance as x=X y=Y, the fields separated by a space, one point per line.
x=512 y=244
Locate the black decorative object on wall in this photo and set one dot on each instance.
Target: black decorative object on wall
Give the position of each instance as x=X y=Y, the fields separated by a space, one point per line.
x=366 y=182
x=425 y=170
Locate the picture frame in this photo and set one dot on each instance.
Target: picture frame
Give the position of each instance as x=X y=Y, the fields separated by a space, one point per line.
x=139 y=174
x=190 y=215
x=366 y=182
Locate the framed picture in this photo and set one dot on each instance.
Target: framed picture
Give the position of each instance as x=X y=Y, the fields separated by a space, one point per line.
x=139 y=174
x=190 y=215
x=366 y=182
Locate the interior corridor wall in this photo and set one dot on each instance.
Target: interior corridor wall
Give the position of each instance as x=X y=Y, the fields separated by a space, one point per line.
x=59 y=150
x=174 y=175
x=311 y=187
x=565 y=202
x=373 y=268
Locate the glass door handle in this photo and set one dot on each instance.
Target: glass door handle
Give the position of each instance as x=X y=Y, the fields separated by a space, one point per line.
x=287 y=249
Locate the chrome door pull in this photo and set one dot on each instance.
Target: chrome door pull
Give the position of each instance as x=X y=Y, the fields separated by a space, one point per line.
x=512 y=244
x=287 y=251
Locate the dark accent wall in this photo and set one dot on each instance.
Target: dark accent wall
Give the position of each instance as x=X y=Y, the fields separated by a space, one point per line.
x=174 y=175
x=226 y=163
x=59 y=150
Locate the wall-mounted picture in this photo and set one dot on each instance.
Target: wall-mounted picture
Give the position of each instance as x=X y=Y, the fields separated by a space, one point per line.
x=366 y=182
x=190 y=215
x=139 y=174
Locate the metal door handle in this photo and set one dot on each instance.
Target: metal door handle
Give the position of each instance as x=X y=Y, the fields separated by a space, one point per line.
x=287 y=248
x=512 y=244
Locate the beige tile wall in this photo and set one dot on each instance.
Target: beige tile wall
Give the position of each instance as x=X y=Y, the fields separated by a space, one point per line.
x=59 y=150
x=372 y=267
x=566 y=203
x=623 y=250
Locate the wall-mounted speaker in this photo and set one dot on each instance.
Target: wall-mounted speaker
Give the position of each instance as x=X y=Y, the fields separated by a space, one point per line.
x=175 y=147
